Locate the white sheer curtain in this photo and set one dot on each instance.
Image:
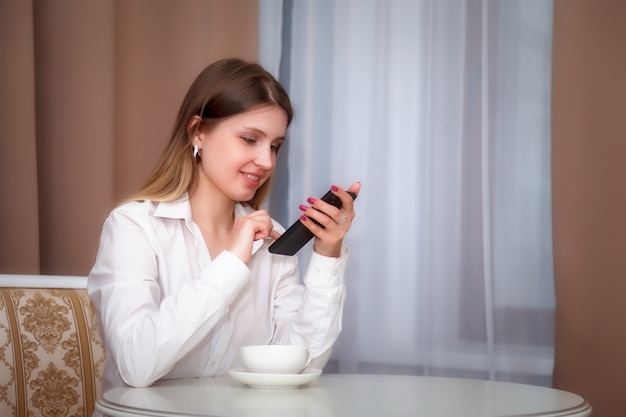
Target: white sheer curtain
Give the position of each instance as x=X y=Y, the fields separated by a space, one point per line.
x=441 y=108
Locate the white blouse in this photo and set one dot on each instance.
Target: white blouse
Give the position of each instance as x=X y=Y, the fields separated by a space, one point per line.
x=167 y=310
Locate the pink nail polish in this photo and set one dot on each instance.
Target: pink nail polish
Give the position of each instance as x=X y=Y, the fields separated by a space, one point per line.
x=303 y=218
x=303 y=207
x=334 y=188
x=311 y=200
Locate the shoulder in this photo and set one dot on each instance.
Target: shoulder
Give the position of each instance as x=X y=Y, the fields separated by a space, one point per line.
x=134 y=209
x=133 y=213
x=179 y=209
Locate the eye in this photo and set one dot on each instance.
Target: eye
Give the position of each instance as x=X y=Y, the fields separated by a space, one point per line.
x=249 y=140
x=276 y=145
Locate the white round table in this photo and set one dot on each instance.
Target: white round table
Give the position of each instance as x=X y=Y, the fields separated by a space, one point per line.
x=345 y=395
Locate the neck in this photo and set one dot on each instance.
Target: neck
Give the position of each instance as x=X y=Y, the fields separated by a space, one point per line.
x=211 y=210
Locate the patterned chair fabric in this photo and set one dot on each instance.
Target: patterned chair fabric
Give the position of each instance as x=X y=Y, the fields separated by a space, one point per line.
x=51 y=355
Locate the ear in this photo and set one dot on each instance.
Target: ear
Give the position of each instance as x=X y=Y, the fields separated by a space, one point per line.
x=193 y=130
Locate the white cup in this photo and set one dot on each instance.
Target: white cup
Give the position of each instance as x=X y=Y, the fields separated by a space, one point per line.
x=275 y=359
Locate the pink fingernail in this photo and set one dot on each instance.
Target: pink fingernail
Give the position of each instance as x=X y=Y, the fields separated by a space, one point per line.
x=311 y=200
x=334 y=188
x=303 y=218
x=303 y=207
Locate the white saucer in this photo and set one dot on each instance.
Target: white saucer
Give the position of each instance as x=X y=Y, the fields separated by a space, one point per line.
x=275 y=381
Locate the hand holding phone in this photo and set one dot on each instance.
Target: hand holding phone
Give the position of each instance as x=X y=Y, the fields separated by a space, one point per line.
x=298 y=235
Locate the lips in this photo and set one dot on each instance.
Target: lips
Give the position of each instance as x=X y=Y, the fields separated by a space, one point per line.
x=253 y=179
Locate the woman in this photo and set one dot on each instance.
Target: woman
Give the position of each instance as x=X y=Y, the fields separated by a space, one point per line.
x=183 y=277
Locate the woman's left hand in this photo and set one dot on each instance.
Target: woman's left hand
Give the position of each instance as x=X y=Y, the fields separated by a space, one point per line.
x=336 y=222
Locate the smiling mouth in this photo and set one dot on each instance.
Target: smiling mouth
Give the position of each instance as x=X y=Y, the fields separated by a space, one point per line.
x=253 y=177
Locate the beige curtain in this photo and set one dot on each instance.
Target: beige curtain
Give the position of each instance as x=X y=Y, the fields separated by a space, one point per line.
x=589 y=201
x=88 y=96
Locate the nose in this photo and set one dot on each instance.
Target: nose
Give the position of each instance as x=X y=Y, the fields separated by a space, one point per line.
x=265 y=158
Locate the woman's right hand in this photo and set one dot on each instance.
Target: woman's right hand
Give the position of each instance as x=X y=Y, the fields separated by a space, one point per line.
x=246 y=229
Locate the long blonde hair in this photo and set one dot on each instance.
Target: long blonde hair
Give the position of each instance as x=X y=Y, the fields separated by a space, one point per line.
x=223 y=89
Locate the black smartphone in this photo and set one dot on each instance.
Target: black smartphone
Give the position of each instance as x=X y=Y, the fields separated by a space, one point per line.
x=294 y=238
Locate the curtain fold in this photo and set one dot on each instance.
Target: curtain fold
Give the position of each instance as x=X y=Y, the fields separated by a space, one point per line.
x=74 y=95
x=89 y=95
x=589 y=201
x=441 y=110
x=19 y=223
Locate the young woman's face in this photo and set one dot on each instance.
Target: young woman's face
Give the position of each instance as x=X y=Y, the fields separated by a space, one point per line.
x=239 y=154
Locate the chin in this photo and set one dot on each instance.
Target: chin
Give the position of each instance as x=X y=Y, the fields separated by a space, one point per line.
x=244 y=197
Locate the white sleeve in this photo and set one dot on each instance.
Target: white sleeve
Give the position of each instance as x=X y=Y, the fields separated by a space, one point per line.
x=312 y=317
x=145 y=333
